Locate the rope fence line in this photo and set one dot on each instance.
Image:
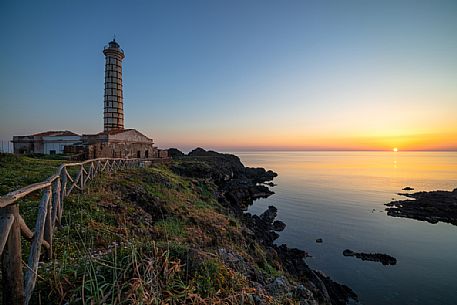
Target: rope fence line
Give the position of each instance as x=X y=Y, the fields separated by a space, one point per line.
x=17 y=284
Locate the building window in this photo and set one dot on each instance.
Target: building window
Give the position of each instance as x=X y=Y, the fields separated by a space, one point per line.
x=138 y=154
x=52 y=152
x=146 y=154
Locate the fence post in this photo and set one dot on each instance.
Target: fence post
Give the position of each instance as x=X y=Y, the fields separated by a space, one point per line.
x=56 y=198
x=63 y=193
x=82 y=177
x=35 y=248
x=92 y=171
x=13 y=278
x=48 y=225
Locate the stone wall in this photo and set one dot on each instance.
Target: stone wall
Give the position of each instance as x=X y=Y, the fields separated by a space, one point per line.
x=163 y=153
x=23 y=144
x=121 y=150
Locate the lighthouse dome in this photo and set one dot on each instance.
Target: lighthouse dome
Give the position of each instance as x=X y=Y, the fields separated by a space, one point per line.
x=113 y=44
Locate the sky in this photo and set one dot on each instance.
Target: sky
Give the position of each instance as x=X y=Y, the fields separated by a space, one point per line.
x=238 y=75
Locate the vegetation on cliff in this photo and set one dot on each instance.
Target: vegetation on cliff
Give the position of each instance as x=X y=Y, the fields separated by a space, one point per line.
x=20 y=171
x=174 y=234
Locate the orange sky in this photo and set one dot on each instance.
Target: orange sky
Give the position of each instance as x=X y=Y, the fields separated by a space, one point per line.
x=439 y=141
x=307 y=75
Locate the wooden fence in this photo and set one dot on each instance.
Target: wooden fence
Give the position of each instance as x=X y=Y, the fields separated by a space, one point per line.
x=18 y=285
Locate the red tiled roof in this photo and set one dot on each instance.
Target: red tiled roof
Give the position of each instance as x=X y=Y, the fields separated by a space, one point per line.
x=55 y=133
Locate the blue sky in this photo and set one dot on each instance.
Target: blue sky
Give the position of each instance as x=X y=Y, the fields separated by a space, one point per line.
x=237 y=74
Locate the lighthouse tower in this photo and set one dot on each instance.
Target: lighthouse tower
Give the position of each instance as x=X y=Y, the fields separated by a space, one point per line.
x=114 y=104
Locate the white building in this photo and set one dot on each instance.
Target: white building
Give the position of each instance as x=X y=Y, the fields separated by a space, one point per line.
x=49 y=142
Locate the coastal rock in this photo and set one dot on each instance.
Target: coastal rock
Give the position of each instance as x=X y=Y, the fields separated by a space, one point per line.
x=408 y=188
x=433 y=207
x=319 y=288
x=238 y=187
x=201 y=152
x=319 y=240
x=262 y=229
x=305 y=295
x=238 y=263
x=210 y=165
x=241 y=192
x=278 y=226
x=324 y=289
x=175 y=153
x=338 y=294
x=375 y=257
x=280 y=285
x=269 y=215
x=293 y=260
x=259 y=174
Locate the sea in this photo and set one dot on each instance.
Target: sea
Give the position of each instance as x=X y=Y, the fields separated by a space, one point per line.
x=340 y=197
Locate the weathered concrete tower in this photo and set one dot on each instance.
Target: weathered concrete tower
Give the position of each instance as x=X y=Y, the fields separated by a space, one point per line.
x=114 y=103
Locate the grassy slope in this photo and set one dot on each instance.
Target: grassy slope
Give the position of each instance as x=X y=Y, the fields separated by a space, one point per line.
x=17 y=172
x=144 y=236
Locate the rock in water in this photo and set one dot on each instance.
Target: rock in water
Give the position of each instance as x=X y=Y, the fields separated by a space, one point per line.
x=408 y=188
x=374 y=257
x=269 y=215
x=278 y=226
x=432 y=207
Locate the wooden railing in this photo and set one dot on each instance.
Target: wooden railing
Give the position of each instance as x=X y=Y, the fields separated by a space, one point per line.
x=18 y=285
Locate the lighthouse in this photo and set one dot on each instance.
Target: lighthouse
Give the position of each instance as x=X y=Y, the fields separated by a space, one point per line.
x=114 y=142
x=114 y=103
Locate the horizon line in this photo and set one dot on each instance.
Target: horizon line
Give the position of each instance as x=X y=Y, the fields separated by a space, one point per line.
x=322 y=150
x=349 y=150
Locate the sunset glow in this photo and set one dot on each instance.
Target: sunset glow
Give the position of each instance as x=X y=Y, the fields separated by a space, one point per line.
x=280 y=79
x=243 y=135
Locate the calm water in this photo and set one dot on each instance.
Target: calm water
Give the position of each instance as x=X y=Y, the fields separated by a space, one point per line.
x=340 y=196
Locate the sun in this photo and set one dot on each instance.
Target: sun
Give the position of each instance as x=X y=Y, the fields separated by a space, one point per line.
x=395 y=149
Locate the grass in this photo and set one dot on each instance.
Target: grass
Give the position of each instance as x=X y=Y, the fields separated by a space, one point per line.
x=19 y=171
x=111 y=250
x=213 y=277
x=140 y=236
x=170 y=227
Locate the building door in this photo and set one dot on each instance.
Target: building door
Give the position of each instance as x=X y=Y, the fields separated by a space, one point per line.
x=146 y=154
x=138 y=154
